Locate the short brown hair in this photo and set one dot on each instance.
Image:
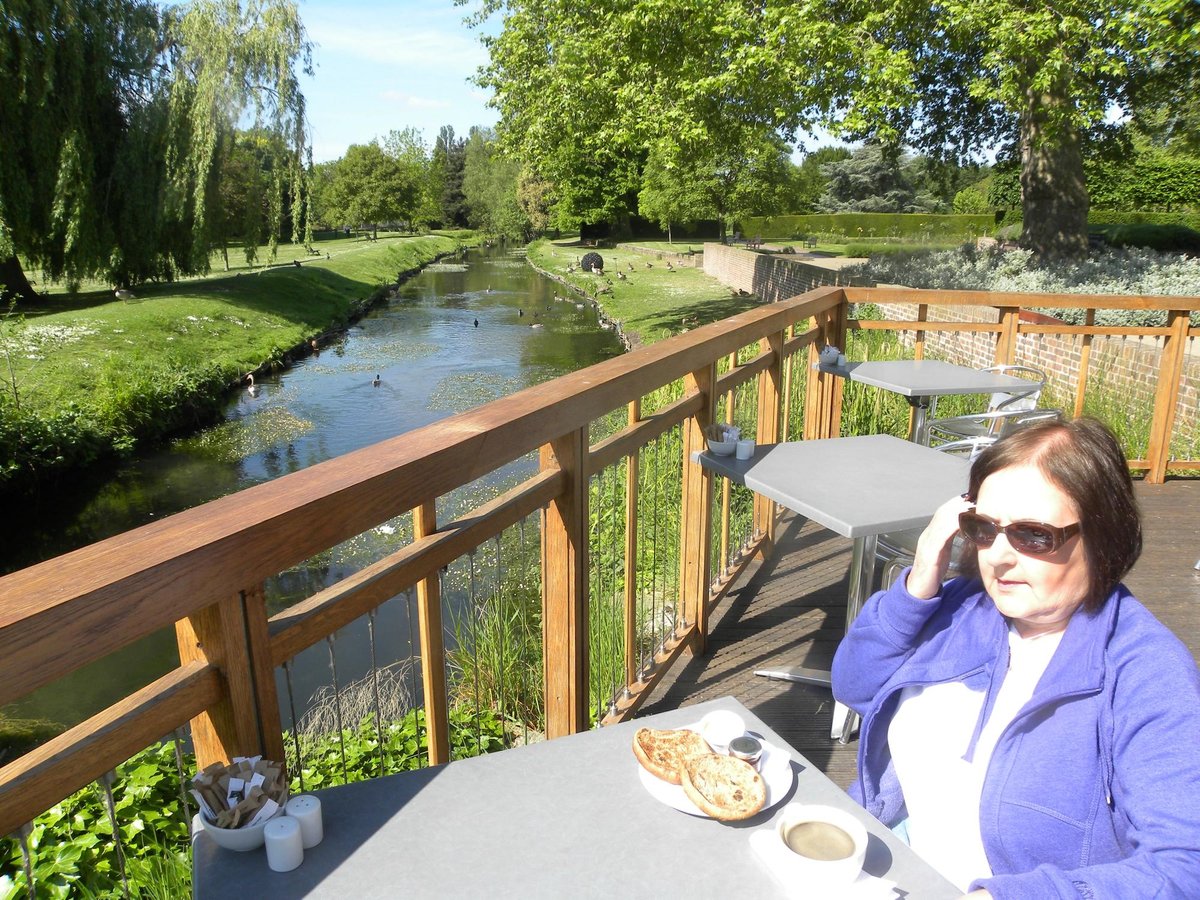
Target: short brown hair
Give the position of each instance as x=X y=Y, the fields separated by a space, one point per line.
x=1083 y=460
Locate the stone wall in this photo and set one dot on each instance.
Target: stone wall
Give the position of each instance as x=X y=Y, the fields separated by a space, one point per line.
x=1128 y=367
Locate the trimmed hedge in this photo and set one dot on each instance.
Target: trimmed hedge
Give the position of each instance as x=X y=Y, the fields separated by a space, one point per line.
x=1119 y=217
x=1164 y=238
x=901 y=226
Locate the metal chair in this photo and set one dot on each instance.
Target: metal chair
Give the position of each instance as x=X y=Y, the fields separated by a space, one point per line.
x=895 y=550
x=1017 y=400
x=994 y=424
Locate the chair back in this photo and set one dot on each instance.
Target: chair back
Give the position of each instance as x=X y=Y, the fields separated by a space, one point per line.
x=1018 y=399
x=1008 y=423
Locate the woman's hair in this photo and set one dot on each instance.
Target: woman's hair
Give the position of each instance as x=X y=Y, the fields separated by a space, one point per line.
x=1083 y=460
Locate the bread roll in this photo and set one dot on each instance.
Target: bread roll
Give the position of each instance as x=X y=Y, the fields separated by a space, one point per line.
x=724 y=787
x=663 y=753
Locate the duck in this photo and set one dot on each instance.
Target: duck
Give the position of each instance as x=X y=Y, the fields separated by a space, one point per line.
x=476 y=323
x=376 y=382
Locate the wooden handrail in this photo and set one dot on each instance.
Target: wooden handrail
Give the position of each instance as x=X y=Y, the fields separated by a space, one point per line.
x=204 y=568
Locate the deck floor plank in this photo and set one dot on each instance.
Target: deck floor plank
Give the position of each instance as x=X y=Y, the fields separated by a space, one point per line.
x=790 y=609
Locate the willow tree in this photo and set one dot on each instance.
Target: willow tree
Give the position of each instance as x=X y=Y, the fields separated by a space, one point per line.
x=117 y=116
x=576 y=85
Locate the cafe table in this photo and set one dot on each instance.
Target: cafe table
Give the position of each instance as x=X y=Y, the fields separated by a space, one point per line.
x=860 y=487
x=921 y=380
x=562 y=818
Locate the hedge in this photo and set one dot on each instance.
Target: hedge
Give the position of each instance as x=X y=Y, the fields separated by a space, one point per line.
x=906 y=226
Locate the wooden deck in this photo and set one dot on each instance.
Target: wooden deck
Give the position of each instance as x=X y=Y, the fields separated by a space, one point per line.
x=791 y=610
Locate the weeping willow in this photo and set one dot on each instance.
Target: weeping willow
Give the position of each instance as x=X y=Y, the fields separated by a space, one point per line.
x=120 y=121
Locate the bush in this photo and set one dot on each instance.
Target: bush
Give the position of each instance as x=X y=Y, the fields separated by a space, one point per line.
x=1164 y=238
x=1111 y=271
x=898 y=226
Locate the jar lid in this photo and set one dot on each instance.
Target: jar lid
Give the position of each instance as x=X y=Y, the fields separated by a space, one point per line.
x=745 y=747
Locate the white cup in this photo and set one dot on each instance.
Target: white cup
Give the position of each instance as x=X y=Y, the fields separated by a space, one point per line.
x=745 y=449
x=841 y=360
x=720 y=727
x=824 y=845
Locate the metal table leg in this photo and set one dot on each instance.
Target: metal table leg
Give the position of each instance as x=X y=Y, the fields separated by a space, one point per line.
x=862 y=575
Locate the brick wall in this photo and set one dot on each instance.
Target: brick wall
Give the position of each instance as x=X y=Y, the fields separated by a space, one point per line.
x=1128 y=366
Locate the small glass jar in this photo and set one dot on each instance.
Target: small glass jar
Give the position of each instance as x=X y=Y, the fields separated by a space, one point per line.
x=747 y=748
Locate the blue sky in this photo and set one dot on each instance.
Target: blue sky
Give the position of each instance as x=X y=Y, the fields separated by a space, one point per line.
x=387 y=64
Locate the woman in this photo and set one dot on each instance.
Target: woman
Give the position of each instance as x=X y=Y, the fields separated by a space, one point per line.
x=1032 y=729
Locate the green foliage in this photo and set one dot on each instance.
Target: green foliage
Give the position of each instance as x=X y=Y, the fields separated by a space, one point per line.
x=370 y=186
x=1149 y=181
x=1115 y=217
x=117 y=129
x=873 y=181
x=402 y=746
x=490 y=188
x=896 y=226
x=1164 y=238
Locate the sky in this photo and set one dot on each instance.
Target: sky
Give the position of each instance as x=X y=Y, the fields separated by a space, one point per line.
x=381 y=65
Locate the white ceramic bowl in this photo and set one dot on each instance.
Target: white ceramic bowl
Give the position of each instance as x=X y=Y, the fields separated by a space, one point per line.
x=720 y=727
x=839 y=871
x=238 y=838
x=721 y=448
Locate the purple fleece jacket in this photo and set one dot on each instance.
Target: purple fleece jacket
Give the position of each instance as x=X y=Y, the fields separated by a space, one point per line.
x=1093 y=790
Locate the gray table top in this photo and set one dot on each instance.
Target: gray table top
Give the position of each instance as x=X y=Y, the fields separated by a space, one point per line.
x=926 y=377
x=567 y=817
x=856 y=486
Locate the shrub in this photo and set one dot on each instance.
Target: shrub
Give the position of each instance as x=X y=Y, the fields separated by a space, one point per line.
x=1109 y=271
x=1165 y=238
x=901 y=226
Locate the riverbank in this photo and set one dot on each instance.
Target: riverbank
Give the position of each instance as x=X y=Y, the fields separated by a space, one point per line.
x=644 y=298
x=86 y=377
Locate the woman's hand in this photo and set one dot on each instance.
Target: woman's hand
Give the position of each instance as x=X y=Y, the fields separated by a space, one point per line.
x=932 y=558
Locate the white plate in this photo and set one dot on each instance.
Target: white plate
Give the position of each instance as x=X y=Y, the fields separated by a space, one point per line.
x=775 y=766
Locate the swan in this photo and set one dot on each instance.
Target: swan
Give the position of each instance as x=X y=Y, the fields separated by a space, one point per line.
x=251 y=388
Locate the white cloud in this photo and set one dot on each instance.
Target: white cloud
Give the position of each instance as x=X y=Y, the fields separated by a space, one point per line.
x=403 y=99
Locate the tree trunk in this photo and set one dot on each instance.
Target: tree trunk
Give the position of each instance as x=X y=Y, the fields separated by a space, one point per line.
x=1054 y=199
x=14 y=282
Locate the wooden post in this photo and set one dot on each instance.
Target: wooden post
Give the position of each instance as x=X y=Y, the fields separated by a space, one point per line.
x=564 y=588
x=1006 y=341
x=1166 y=396
x=770 y=394
x=230 y=635
x=695 y=515
x=1085 y=360
x=631 y=555
x=919 y=341
x=433 y=646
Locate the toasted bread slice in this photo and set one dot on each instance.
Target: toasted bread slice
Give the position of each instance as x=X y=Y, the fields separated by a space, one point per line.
x=724 y=787
x=663 y=753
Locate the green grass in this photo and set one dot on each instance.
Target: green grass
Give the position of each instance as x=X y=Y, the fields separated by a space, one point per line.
x=691 y=245
x=653 y=302
x=84 y=375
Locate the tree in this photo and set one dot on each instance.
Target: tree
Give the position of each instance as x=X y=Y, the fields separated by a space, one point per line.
x=408 y=149
x=490 y=187
x=579 y=91
x=369 y=186
x=117 y=117
x=810 y=180
x=449 y=160
x=874 y=180
x=671 y=190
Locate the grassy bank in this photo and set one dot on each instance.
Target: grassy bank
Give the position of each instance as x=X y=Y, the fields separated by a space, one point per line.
x=652 y=301
x=85 y=376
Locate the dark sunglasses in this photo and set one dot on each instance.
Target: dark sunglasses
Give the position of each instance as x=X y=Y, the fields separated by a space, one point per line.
x=1030 y=538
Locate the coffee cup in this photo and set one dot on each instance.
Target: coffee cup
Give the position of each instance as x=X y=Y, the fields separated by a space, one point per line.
x=829 y=355
x=823 y=843
x=745 y=449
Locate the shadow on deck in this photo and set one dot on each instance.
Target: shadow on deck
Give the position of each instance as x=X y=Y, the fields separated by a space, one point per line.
x=791 y=610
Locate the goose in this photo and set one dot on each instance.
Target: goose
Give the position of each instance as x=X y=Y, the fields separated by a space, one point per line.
x=649 y=265
x=630 y=266
x=520 y=312
x=536 y=325
x=123 y=294
x=669 y=266
x=622 y=275
x=375 y=383
x=476 y=323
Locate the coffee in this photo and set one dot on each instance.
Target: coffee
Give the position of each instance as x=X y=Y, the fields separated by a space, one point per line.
x=819 y=840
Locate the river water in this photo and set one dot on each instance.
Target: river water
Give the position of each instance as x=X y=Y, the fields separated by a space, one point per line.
x=461 y=333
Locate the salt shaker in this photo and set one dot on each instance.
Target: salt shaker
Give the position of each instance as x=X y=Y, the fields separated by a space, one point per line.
x=285 y=847
x=306 y=809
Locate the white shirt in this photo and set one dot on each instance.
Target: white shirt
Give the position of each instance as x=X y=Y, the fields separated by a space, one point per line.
x=929 y=736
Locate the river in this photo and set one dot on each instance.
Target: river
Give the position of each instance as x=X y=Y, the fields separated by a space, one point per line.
x=459 y=334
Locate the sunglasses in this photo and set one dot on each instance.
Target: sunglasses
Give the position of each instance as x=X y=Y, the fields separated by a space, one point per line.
x=1030 y=538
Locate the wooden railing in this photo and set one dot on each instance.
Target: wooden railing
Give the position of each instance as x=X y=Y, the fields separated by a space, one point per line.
x=203 y=570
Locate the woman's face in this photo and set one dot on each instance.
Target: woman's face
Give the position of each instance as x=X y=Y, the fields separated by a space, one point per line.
x=1038 y=594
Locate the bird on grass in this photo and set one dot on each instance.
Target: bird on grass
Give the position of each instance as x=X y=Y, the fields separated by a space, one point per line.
x=649 y=265
x=669 y=266
x=622 y=275
x=630 y=266
x=124 y=294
